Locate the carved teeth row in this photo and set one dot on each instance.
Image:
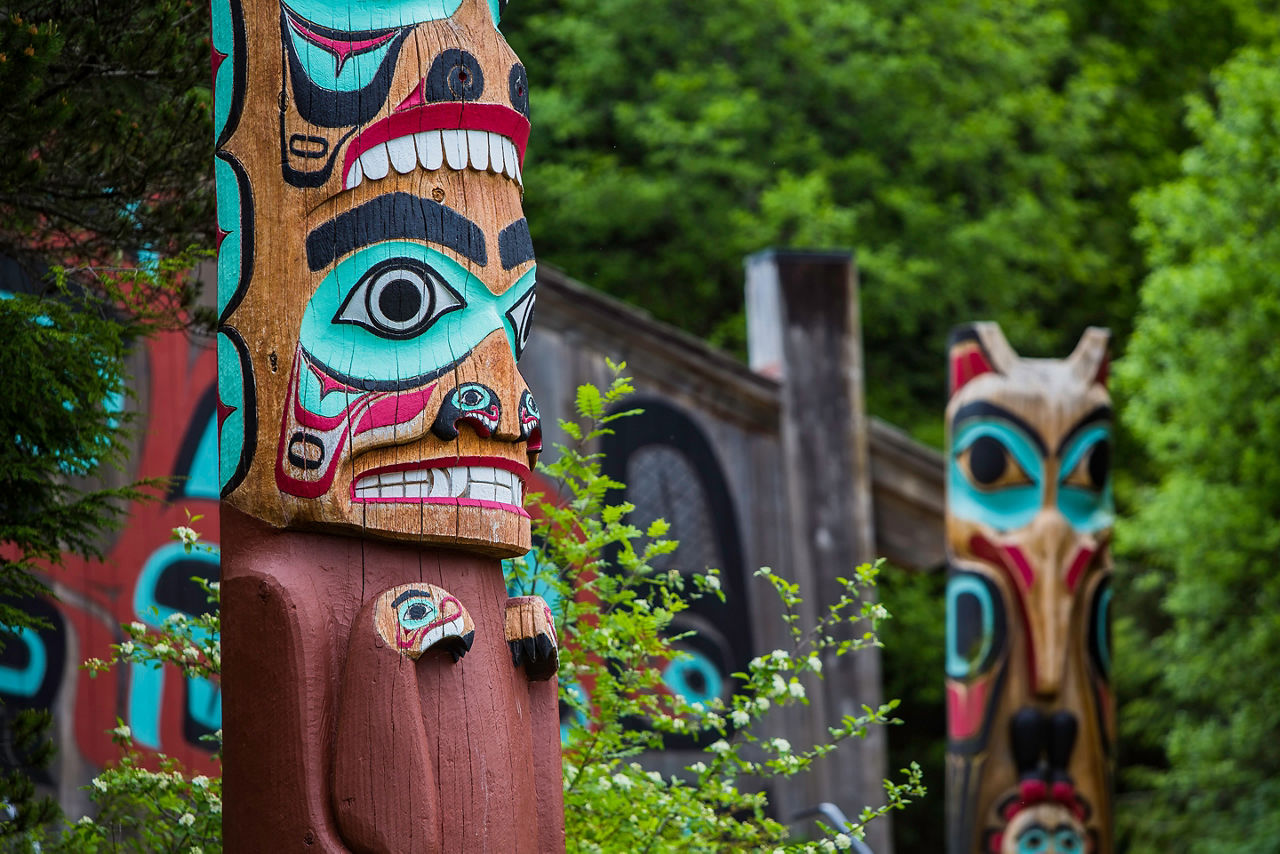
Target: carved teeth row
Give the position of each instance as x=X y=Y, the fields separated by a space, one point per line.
x=457 y=149
x=480 y=483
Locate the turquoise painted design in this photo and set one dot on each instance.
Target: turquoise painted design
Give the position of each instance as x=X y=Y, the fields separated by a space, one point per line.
x=25 y=682
x=345 y=72
x=1103 y=643
x=397 y=315
x=230 y=260
x=202 y=481
x=1002 y=508
x=496 y=8
x=1088 y=510
x=231 y=386
x=694 y=676
x=416 y=612
x=146 y=688
x=362 y=17
x=224 y=43
x=962 y=664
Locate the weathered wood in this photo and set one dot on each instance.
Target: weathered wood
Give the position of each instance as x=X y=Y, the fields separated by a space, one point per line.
x=1029 y=515
x=813 y=344
x=376 y=286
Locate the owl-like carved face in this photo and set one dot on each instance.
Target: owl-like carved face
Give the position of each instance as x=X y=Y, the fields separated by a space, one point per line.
x=413 y=618
x=382 y=284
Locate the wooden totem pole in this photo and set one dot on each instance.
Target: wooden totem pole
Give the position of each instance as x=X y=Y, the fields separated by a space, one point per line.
x=1030 y=717
x=376 y=285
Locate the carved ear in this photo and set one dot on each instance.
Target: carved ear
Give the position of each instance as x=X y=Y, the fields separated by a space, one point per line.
x=1091 y=360
x=975 y=349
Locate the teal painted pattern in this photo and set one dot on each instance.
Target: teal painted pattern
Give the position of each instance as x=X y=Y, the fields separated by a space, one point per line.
x=361 y=17
x=230 y=252
x=962 y=663
x=346 y=73
x=231 y=385
x=1088 y=510
x=348 y=331
x=1004 y=508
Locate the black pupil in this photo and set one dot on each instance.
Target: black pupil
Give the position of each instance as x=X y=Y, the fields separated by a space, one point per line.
x=400 y=301
x=987 y=460
x=1100 y=464
x=697 y=682
x=471 y=397
x=417 y=611
x=969 y=631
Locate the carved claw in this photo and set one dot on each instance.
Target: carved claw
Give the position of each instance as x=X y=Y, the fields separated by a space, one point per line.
x=531 y=636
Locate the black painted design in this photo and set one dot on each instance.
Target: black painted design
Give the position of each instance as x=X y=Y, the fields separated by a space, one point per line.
x=330 y=109
x=986 y=409
x=515 y=245
x=246 y=233
x=249 y=404
x=390 y=217
x=239 y=71
x=518 y=89
x=298 y=443
x=313 y=147
x=455 y=75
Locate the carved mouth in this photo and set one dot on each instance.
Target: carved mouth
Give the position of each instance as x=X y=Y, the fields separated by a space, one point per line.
x=483 y=137
x=465 y=482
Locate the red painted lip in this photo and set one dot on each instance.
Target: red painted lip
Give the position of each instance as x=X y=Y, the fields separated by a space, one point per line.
x=494 y=118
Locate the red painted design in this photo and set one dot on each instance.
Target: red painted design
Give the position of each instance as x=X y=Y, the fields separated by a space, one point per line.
x=216 y=58
x=218 y=237
x=342 y=50
x=966 y=366
x=1079 y=563
x=1017 y=569
x=966 y=705
x=1104 y=370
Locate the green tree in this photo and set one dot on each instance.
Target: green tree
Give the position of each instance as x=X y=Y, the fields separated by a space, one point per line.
x=979 y=157
x=1202 y=378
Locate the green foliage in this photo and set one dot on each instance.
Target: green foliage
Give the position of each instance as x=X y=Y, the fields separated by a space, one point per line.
x=27 y=734
x=1202 y=378
x=614 y=610
x=104 y=129
x=979 y=157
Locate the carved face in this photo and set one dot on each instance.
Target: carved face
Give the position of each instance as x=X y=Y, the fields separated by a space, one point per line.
x=391 y=287
x=412 y=618
x=1044 y=829
x=1029 y=518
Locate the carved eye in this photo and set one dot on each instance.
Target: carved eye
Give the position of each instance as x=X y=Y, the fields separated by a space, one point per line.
x=1093 y=469
x=1034 y=840
x=990 y=465
x=416 y=612
x=518 y=89
x=455 y=75
x=399 y=298
x=521 y=319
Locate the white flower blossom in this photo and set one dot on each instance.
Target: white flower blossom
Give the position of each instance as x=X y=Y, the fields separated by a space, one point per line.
x=720 y=746
x=606 y=783
x=762 y=704
x=796 y=689
x=100 y=784
x=641 y=604
x=187 y=819
x=84 y=819
x=843 y=842
x=713 y=581
x=137 y=628
x=187 y=535
x=126 y=648
x=162 y=649
x=123 y=731
x=779 y=655
x=698 y=767
x=827 y=845
x=622 y=781
x=191 y=653
x=200 y=781
x=757 y=663
x=779 y=685
x=781 y=745
x=815 y=663
x=740 y=718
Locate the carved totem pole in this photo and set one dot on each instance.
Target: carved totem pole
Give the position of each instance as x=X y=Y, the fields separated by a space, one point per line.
x=376 y=286
x=1031 y=727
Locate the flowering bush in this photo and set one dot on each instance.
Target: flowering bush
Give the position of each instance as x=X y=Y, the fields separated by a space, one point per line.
x=613 y=615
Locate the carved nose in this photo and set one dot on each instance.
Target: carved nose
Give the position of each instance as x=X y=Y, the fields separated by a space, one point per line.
x=1054 y=550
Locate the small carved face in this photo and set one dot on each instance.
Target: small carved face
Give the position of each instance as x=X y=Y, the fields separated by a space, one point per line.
x=413 y=618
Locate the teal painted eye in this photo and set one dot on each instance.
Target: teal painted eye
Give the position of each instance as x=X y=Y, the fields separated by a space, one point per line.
x=398 y=298
x=1034 y=840
x=1085 y=496
x=1067 y=841
x=994 y=475
x=975 y=625
x=416 y=612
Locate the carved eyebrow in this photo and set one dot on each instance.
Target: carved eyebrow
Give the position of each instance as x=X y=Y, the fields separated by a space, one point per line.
x=1100 y=413
x=985 y=409
x=393 y=216
x=409 y=594
x=515 y=246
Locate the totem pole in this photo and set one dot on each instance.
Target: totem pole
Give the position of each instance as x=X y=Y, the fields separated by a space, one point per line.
x=1030 y=717
x=376 y=286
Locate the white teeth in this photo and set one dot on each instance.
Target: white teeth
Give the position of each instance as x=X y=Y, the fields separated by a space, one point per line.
x=430 y=149
x=355 y=176
x=481 y=150
x=376 y=162
x=478 y=143
x=403 y=156
x=497 y=151
x=478 y=483
x=455 y=148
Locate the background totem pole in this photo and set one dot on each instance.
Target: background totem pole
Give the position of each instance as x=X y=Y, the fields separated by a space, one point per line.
x=1029 y=516
x=376 y=285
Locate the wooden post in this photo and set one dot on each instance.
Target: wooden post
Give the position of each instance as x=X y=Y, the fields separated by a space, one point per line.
x=804 y=329
x=1031 y=720
x=376 y=285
